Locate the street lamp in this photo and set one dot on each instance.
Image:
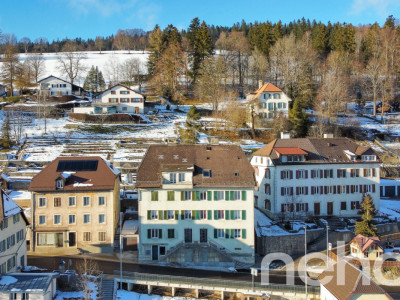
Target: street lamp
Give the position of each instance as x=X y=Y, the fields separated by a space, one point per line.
x=305 y=259
x=327 y=245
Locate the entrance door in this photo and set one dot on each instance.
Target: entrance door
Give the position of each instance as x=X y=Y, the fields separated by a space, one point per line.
x=154 y=252
x=60 y=239
x=136 y=110
x=188 y=235
x=317 y=209
x=203 y=235
x=330 y=208
x=72 y=239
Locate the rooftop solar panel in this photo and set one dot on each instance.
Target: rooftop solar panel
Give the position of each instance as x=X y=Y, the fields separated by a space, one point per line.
x=77 y=165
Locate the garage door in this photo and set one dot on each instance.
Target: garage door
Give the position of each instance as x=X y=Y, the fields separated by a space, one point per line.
x=390 y=191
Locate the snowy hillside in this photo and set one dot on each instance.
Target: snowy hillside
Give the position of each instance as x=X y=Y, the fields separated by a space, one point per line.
x=107 y=61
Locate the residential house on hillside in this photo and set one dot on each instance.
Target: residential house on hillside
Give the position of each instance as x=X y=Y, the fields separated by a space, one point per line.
x=12 y=235
x=366 y=247
x=195 y=205
x=344 y=281
x=272 y=101
x=55 y=86
x=119 y=99
x=315 y=176
x=75 y=204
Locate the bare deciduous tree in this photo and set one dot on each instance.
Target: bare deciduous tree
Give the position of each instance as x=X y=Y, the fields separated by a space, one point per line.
x=37 y=65
x=70 y=62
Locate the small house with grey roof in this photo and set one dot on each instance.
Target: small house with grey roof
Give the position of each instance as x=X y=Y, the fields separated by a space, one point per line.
x=196 y=205
x=315 y=177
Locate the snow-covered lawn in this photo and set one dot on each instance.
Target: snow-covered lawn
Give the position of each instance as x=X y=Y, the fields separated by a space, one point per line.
x=125 y=295
x=79 y=294
x=390 y=208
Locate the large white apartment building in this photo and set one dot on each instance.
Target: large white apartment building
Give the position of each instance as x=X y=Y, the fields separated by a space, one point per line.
x=12 y=235
x=315 y=176
x=196 y=205
x=272 y=101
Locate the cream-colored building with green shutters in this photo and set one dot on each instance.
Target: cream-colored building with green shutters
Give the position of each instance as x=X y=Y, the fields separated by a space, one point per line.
x=196 y=205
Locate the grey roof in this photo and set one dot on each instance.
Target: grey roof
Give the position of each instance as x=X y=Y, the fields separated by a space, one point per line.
x=32 y=283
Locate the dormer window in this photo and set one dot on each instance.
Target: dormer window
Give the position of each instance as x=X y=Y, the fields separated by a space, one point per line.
x=59 y=183
x=172 y=178
x=206 y=173
x=368 y=157
x=236 y=174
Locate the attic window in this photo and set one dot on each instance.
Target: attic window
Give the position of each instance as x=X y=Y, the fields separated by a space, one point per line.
x=208 y=148
x=59 y=184
x=206 y=173
x=236 y=174
x=184 y=159
x=176 y=156
x=161 y=156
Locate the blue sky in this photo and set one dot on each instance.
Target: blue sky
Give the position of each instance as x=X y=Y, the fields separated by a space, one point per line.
x=55 y=19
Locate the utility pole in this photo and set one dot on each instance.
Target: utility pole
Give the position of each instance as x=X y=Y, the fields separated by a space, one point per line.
x=120 y=248
x=305 y=259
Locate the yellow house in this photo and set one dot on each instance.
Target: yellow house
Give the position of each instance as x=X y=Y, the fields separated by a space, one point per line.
x=366 y=247
x=75 y=206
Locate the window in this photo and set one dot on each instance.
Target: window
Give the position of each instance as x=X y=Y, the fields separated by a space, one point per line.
x=4 y=224
x=154 y=215
x=280 y=105
x=10 y=241
x=218 y=195
x=102 y=236
x=368 y=157
x=171 y=233
x=172 y=178
x=286 y=174
x=341 y=173
x=124 y=108
x=367 y=172
x=236 y=214
x=328 y=173
x=202 y=195
x=301 y=174
x=124 y=100
x=42 y=202
x=57 y=219
x=270 y=106
x=154 y=196
x=302 y=190
x=187 y=195
x=316 y=173
x=181 y=177
x=86 y=218
x=71 y=219
x=20 y=235
x=267 y=204
x=124 y=92
x=155 y=233
x=86 y=201
x=219 y=214
x=202 y=215
x=102 y=218
x=287 y=207
x=113 y=100
x=71 y=201
x=286 y=191
x=137 y=100
x=343 y=205
x=236 y=195
x=42 y=220
x=87 y=236
x=170 y=195
x=236 y=174
x=170 y=215
x=354 y=173
x=267 y=173
x=237 y=233
x=11 y=265
x=59 y=184
x=113 y=92
x=268 y=189
x=57 y=202
x=3 y=246
x=355 y=205
x=301 y=206
x=16 y=218
x=206 y=173
x=188 y=215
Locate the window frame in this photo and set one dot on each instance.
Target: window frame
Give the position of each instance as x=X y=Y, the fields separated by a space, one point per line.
x=54 y=219
x=89 y=202
x=86 y=215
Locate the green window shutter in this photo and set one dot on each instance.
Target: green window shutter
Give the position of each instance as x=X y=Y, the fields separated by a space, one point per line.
x=227 y=233
x=165 y=214
x=215 y=233
x=193 y=195
x=176 y=214
x=182 y=214
x=232 y=214
x=215 y=195
x=244 y=195
x=197 y=195
x=226 y=195
x=149 y=233
x=148 y=214
x=160 y=215
x=160 y=233
x=215 y=215
x=209 y=214
x=232 y=233
x=231 y=195
x=182 y=195
x=197 y=215
x=243 y=233
x=171 y=196
x=227 y=215
x=209 y=196
x=193 y=215
x=243 y=215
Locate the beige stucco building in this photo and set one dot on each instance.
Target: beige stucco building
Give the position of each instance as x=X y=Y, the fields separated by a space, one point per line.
x=366 y=248
x=75 y=205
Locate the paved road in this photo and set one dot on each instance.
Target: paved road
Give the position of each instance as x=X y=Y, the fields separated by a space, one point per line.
x=108 y=267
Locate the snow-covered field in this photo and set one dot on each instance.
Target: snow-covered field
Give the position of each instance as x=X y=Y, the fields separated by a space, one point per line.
x=390 y=208
x=125 y=295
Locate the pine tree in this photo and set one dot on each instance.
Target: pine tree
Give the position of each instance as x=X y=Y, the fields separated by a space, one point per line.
x=155 y=48
x=366 y=227
x=89 y=80
x=6 y=139
x=100 y=82
x=299 y=120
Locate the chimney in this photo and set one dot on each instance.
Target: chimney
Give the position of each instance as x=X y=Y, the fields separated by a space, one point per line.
x=328 y=135
x=260 y=84
x=285 y=135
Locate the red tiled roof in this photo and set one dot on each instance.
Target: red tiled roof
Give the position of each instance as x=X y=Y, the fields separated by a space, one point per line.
x=290 y=151
x=364 y=242
x=268 y=87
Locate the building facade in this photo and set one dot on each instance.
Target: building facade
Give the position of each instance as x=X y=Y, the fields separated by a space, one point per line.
x=55 y=86
x=75 y=204
x=119 y=99
x=314 y=176
x=12 y=235
x=195 y=205
x=272 y=101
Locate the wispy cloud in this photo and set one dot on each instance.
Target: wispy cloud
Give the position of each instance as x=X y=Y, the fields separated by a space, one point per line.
x=381 y=8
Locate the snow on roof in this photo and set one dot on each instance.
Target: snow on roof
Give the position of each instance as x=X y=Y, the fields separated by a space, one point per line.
x=5 y=177
x=114 y=170
x=130 y=227
x=10 y=207
x=66 y=175
x=20 y=195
